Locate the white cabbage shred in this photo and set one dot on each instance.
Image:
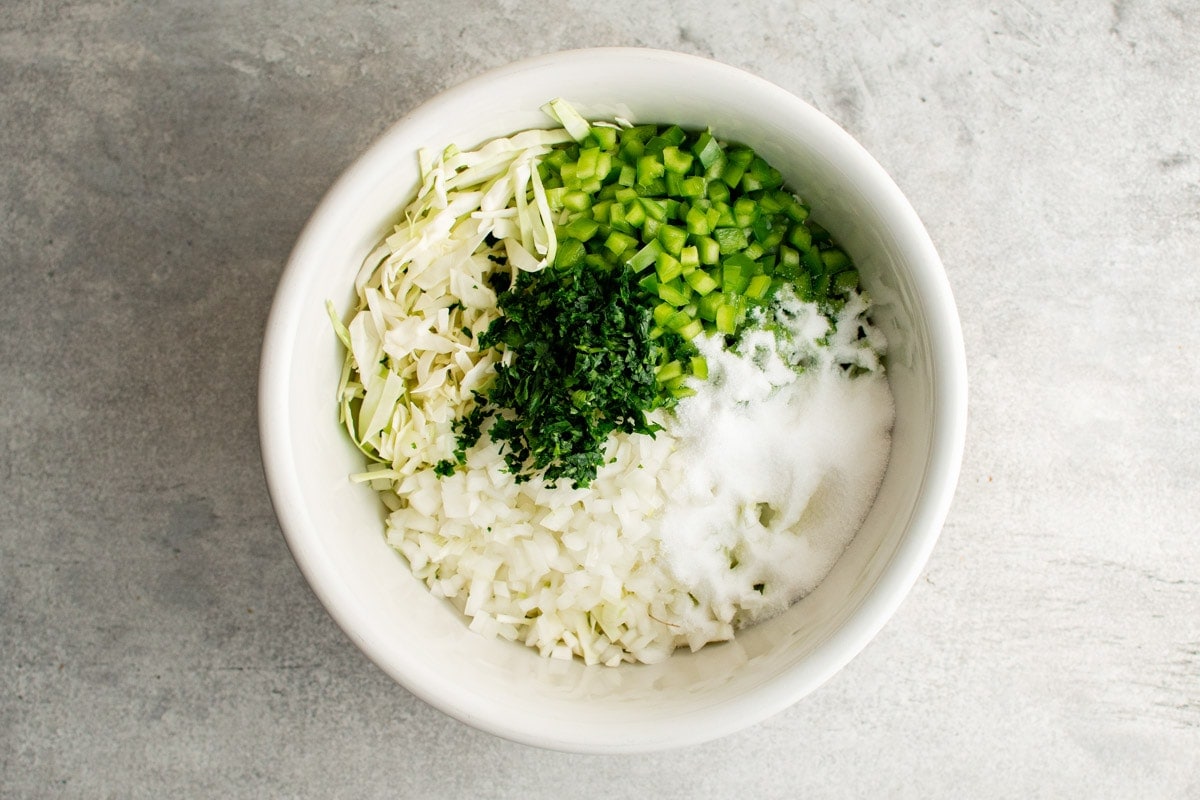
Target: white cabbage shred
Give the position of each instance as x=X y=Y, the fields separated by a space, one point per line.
x=424 y=297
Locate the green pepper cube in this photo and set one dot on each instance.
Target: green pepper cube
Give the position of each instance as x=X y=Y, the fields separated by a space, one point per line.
x=736 y=272
x=724 y=215
x=699 y=367
x=674 y=135
x=616 y=218
x=674 y=184
x=708 y=305
x=726 y=319
x=717 y=191
x=789 y=258
x=648 y=169
x=696 y=222
x=654 y=188
x=693 y=187
x=767 y=176
x=604 y=136
x=656 y=144
x=772 y=202
x=585 y=167
x=668 y=371
x=630 y=151
x=635 y=213
x=638 y=133
x=667 y=267
x=676 y=385
x=745 y=212
x=554 y=197
x=774 y=236
x=617 y=243
x=736 y=162
x=813 y=262
x=691 y=330
x=710 y=250
x=576 y=200
x=761 y=228
x=570 y=252
x=569 y=173
x=689 y=257
x=802 y=284
x=672 y=238
x=677 y=320
x=701 y=281
x=795 y=209
x=758 y=287
x=600 y=211
x=596 y=261
x=800 y=237
x=846 y=281
x=676 y=293
x=646 y=256
x=730 y=240
x=582 y=228
x=707 y=149
x=604 y=165
x=655 y=209
x=835 y=260
x=676 y=161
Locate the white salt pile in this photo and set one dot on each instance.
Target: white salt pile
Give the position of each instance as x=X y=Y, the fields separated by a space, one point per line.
x=782 y=466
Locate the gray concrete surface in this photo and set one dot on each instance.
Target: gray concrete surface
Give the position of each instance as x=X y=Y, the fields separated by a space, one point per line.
x=159 y=159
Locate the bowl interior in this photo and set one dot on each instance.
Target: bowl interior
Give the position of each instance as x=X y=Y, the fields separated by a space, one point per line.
x=335 y=528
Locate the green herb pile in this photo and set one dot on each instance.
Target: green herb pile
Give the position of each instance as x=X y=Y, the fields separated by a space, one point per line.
x=583 y=368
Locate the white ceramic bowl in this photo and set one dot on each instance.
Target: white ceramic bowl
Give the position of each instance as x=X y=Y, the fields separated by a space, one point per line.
x=335 y=528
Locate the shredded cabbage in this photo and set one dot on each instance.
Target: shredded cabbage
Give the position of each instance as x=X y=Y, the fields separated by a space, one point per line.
x=569 y=118
x=424 y=296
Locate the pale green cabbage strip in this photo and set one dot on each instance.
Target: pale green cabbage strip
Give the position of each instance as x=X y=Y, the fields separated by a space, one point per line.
x=413 y=360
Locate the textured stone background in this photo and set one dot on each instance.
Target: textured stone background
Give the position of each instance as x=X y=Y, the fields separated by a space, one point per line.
x=158 y=161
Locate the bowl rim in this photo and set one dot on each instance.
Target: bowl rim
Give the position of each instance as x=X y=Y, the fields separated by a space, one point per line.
x=949 y=377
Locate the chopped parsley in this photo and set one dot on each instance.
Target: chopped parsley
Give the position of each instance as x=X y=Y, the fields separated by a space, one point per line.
x=583 y=366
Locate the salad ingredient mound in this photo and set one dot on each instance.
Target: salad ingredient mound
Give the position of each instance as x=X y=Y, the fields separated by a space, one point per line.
x=618 y=392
